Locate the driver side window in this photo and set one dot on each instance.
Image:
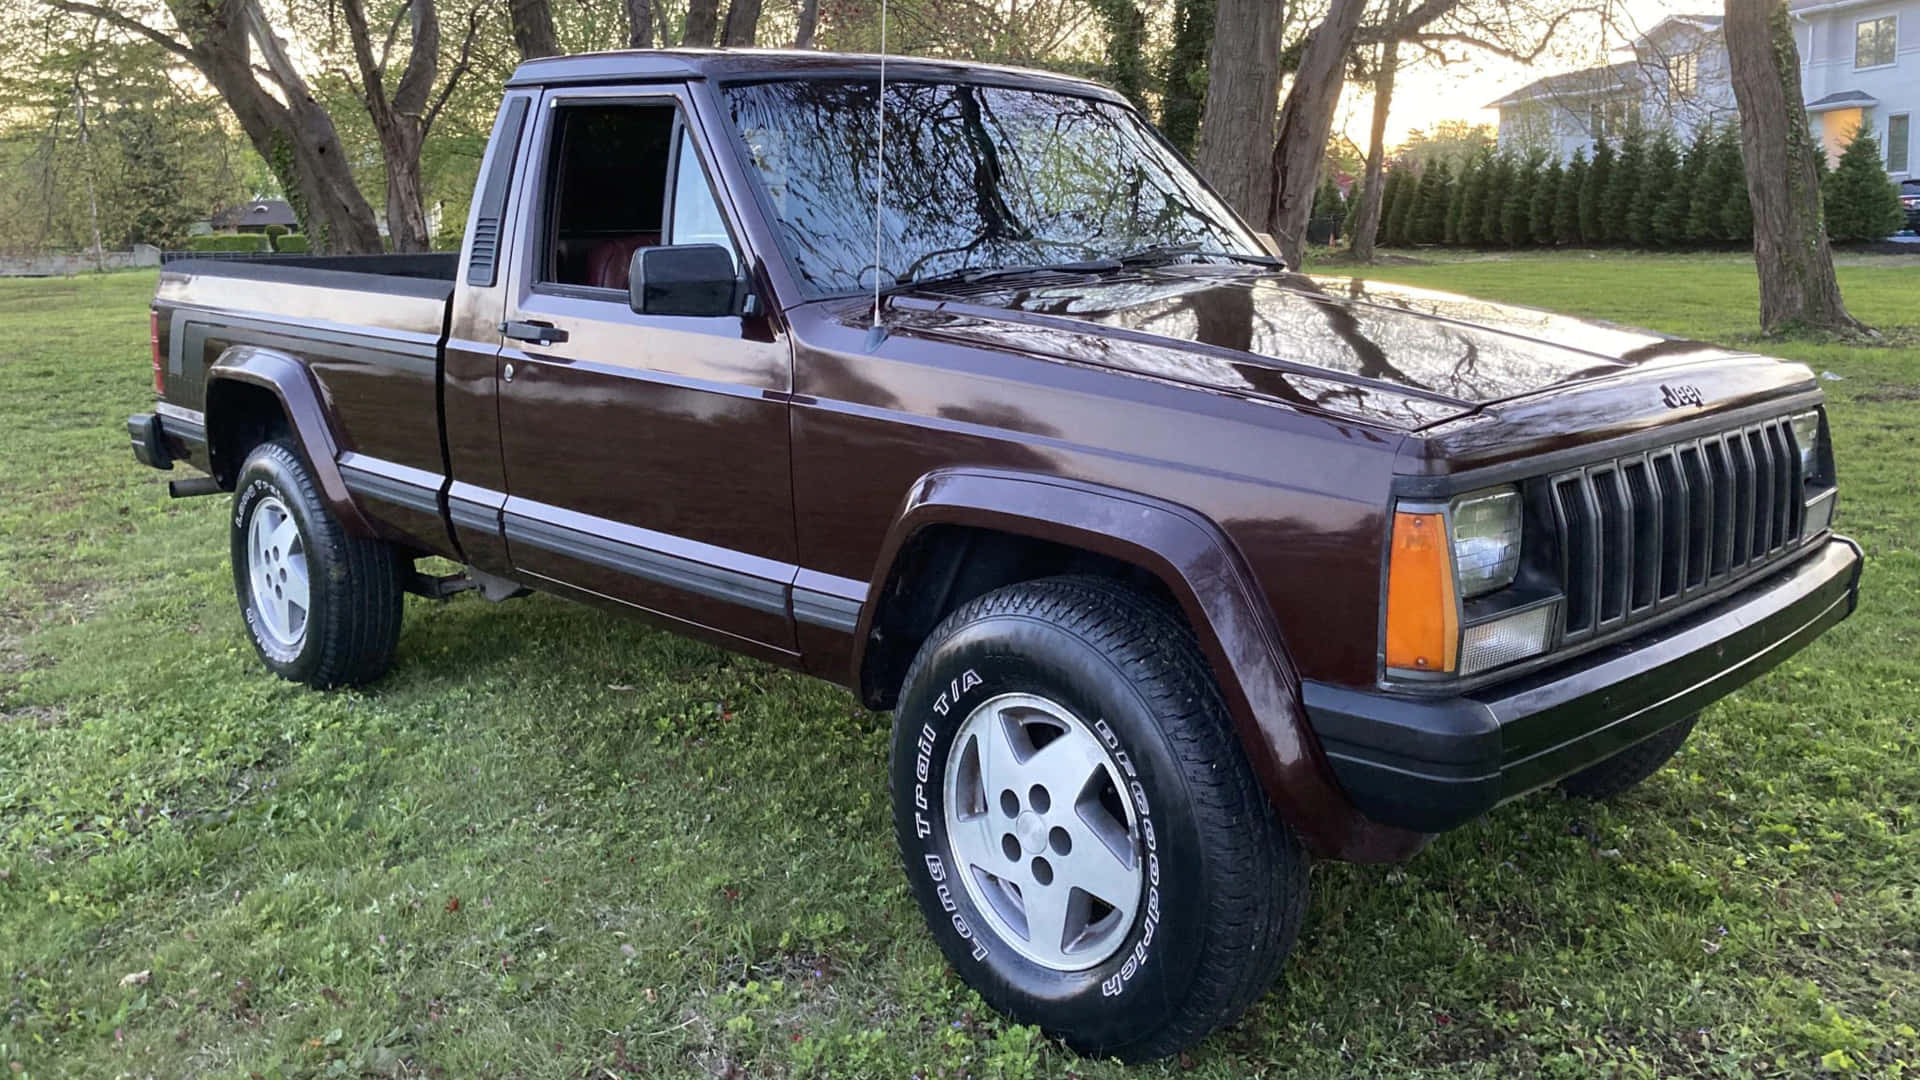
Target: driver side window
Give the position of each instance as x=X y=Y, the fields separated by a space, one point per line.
x=625 y=177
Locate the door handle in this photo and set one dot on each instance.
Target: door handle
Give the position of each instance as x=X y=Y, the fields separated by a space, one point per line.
x=540 y=333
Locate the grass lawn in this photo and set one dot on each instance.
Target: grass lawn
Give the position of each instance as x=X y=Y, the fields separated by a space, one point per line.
x=557 y=844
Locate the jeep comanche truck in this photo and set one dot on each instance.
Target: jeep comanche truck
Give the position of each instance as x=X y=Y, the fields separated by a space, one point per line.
x=1177 y=569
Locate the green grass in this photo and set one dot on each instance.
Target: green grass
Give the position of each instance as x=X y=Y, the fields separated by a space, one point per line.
x=555 y=843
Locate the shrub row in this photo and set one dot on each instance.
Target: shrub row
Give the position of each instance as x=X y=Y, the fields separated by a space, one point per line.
x=1647 y=192
x=228 y=242
x=284 y=242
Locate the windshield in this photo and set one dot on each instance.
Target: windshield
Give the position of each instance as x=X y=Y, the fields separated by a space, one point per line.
x=977 y=177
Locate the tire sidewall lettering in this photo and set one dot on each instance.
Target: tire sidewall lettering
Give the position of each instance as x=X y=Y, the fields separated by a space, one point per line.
x=256 y=483
x=933 y=730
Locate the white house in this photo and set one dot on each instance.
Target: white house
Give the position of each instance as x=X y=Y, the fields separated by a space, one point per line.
x=1677 y=80
x=1860 y=65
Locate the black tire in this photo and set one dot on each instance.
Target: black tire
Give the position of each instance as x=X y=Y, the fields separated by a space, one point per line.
x=352 y=625
x=1225 y=882
x=1630 y=766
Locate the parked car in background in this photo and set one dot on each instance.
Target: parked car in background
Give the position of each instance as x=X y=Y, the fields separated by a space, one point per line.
x=1177 y=569
x=1910 y=202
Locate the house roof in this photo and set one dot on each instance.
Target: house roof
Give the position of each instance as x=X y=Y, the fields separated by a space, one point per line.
x=1845 y=99
x=260 y=212
x=1594 y=80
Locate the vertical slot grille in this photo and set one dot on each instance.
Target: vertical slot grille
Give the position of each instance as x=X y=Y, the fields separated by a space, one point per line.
x=1671 y=496
x=1573 y=509
x=1644 y=532
x=1700 y=532
x=1643 y=568
x=1615 y=543
x=1742 y=498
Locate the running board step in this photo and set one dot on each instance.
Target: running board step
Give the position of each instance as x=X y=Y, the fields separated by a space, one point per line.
x=446 y=586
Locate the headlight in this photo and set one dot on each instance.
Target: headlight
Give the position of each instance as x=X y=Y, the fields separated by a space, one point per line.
x=1806 y=436
x=1486 y=539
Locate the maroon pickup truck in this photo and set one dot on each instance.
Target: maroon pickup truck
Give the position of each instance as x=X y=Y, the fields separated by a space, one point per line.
x=1177 y=569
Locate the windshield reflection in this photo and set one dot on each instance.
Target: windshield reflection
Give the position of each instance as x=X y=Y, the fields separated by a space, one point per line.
x=977 y=177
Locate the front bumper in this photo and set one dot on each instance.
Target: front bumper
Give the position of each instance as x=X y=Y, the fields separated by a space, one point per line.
x=1431 y=764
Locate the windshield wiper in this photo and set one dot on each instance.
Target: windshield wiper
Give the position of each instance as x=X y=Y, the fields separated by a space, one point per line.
x=1159 y=253
x=971 y=275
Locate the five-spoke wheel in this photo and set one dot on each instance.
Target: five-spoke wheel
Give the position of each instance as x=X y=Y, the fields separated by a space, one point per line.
x=277 y=572
x=1043 y=835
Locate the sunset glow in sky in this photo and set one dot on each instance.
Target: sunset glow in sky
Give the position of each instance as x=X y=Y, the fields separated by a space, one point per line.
x=1426 y=93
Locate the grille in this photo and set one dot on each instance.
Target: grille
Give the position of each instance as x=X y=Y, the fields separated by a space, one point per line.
x=1644 y=532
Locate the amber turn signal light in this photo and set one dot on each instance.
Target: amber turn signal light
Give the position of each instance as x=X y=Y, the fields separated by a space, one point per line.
x=1423 y=621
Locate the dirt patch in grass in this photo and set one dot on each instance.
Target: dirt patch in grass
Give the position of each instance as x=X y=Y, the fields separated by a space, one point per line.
x=1889 y=392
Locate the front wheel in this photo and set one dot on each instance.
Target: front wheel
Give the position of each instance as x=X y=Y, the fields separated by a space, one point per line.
x=321 y=607
x=1079 y=825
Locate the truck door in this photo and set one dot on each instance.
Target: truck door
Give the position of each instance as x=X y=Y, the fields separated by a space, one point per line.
x=646 y=456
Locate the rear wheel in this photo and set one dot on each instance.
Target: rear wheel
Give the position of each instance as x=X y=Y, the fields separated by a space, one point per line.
x=321 y=607
x=1079 y=825
x=1630 y=766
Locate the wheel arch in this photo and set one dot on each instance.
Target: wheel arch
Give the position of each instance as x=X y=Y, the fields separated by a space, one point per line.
x=255 y=394
x=1171 y=549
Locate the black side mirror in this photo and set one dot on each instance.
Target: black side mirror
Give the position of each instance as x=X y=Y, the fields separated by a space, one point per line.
x=685 y=279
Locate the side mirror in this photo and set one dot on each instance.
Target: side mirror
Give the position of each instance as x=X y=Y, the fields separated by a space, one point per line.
x=685 y=279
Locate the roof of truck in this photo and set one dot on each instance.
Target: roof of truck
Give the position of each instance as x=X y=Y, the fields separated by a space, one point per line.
x=673 y=65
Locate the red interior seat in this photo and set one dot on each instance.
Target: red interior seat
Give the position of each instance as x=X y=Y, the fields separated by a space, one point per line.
x=608 y=260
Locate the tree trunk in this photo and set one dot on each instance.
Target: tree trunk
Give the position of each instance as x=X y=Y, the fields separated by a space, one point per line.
x=743 y=16
x=290 y=130
x=86 y=170
x=1797 y=286
x=809 y=22
x=1366 y=224
x=399 y=121
x=1306 y=120
x=1243 y=92
x=703 y=16
x=533 y=28
x=639 y=24
x=406 y=196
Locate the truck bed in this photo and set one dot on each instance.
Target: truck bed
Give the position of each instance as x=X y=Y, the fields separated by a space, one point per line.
x=368 y=331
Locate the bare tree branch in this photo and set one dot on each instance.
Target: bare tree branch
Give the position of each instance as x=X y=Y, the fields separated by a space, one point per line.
x=123 y=22
x=459 y=70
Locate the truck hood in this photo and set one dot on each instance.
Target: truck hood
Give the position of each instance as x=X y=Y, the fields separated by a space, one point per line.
x=1391 y=354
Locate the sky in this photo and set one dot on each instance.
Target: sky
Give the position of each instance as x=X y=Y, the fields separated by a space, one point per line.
x=1428 y=93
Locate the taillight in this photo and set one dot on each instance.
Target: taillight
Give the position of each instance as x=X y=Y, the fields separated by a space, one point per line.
x=153 y=343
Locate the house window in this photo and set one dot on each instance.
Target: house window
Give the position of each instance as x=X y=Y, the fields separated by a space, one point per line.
x=1873 y=41
x=1898 y=141
x=1683 y=74
x=1608 y=119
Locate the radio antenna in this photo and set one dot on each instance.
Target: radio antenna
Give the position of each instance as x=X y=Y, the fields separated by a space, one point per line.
x=874 y=333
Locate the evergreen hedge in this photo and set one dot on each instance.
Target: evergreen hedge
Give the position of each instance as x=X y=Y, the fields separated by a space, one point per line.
x=1647 y=192
x=228 y=242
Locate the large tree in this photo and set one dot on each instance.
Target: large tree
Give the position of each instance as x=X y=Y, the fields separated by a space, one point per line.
x=232 y=45
x=1518 y=30
x=1366 y=223
x=1306 y=120
x=1797 y=284
x=1243 y=90
x=403 y=115
x=532 y=22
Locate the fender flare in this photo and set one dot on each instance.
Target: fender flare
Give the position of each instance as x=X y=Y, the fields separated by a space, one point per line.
x=289 y=381
x=1202 y=569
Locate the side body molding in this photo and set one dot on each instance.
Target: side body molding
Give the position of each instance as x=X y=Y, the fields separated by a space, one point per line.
x=287 y=379
x=1201 y=568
